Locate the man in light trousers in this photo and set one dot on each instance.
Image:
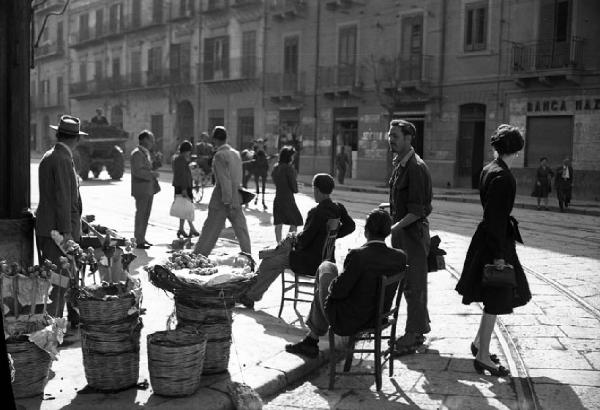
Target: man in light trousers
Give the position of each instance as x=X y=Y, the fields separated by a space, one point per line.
x=225 y=201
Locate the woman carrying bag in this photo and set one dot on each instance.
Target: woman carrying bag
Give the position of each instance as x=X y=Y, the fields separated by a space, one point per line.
x=285 y=210
x=183 y=207
x=492 y=273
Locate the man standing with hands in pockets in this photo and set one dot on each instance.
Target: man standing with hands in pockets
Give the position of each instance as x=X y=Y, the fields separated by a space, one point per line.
x=410 y=204
x=144 y=185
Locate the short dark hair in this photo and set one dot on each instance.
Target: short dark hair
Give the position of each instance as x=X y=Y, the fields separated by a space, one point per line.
x=219 y=133
x=324 y=183
x=543 y=158
x=407 y=128
x=507 y=139
x=144 y=134
x=379 y=223
x=286 y=154
x=185 y=146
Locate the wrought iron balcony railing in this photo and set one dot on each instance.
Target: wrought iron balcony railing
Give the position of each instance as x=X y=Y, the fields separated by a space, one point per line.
x=401 y=70
x=341 y=76
x=285 y=83
x=239 y=68
x=544 y=55
x=47 y=50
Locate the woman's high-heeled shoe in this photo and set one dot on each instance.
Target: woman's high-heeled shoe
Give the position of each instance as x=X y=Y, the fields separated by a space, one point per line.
x=475 y=350
x=499 y=371
x=181 y=234
x=194 y=233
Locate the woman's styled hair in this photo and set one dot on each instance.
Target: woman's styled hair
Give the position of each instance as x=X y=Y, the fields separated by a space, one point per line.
x=507 y=139
x=185 y=146
x=286 y=154
x=324 y=183
x=379 y=223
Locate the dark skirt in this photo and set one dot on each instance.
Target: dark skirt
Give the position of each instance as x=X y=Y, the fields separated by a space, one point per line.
x=496 y=301
x=285 y=211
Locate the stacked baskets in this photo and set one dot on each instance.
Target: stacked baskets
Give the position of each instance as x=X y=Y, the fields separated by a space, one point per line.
x=175 y=361
x=32 y=366
x=110 y=341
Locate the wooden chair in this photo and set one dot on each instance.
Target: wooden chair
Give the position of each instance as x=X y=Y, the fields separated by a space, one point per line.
x=300 y=283
x=390 y=286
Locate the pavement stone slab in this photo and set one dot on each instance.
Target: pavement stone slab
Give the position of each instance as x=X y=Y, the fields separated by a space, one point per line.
x=594 y=359
x=561 y=397
x=554 y=359
x=539 y=343
x=578 y=332
x=464 y=384
x=535 y=331
x=584 y=322
x=582 y=345
x=570 y=377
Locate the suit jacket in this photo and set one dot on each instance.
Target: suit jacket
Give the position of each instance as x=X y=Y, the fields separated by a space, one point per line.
x=306 y=257
x=143 y=182
x=227 y=169
x=60 y=202
x=351 y=306
x=182 y=175
x=559 y=180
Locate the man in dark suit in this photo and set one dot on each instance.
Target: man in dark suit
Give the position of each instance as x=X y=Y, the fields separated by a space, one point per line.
x=144 y=185
x=305 y=258
x=59 y=208
x=347 y=302
x=563 y=182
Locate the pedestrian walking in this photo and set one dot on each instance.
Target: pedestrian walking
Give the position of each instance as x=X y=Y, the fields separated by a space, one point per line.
x=184 y=184
x=60 y=205
x=285 y=210
x=99 y=118
x=225 y=201
x=260 y=169
x=543 y=183
x=144 y=185
x=410 y=204
x=342 y=162
x=494 y=243
x=563 y=183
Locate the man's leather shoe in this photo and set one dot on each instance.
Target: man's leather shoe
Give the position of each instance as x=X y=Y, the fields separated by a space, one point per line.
x=142 y=246
x=148 y=243
x=307 y=347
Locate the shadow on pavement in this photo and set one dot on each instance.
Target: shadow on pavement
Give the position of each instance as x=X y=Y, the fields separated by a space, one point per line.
x=264 y=217
x=99 y=182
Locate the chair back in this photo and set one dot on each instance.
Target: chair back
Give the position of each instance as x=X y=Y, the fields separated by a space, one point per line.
x=333 y=226
x=389 y=286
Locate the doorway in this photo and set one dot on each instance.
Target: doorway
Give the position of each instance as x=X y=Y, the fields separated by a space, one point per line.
x=471 y=138
x=345 y=130
x=185 y=120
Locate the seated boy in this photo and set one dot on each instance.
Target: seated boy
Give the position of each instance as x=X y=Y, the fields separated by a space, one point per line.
x=347 y=302
x=305 y=258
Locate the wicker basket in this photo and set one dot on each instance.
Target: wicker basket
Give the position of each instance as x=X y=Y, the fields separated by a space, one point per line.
x=112 y=338
x=199 y=312
x=32 y=365
x=217 y=356
x=175 y=361
x=107 y=372
x=104 y=311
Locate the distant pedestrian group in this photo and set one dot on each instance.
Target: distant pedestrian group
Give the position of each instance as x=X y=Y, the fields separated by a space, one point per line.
x=563 y=184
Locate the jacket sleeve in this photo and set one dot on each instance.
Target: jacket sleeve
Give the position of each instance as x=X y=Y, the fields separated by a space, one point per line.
x=347 y=223
x=496 y=215
x=223 y=176
x=62 y=200
x=341 y=286
x=139 y=168
x=311 y=229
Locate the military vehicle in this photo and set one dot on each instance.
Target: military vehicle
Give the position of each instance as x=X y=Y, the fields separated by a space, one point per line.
x=102 y=147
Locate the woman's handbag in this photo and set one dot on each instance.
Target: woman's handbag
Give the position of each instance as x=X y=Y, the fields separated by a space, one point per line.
x=182 y=208
x=247 y=196
x=494 y=277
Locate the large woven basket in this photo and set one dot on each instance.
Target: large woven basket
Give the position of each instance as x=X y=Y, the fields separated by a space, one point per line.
x=115 y=338
x=104 y=311
x=217 y=356
x=191 y=311
x=32 y=365
x=111 y=372
x=175 y=361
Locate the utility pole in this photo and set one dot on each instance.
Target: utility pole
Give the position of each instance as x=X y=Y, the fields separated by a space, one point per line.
x=16 y=227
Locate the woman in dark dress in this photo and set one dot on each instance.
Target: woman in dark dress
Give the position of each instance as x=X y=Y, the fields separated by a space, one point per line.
x=494 y=243
x=285 y=210
x=183 y=183
x=542 y=187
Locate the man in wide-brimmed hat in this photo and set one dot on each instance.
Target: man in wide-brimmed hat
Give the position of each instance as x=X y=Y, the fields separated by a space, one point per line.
x=59 y=208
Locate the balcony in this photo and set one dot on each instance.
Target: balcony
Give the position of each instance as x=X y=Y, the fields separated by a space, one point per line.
x=341 y=80
x=180 y=76
x=281 y=87
x=78 y=89
x=156 y=77
x=287 y=9
x=337 y=4
x=50 y=50
x=215 y=6
x=404 y=74
x=50 y=5
x=46 y=101
x=548 y=58
x=245 y=3
x=95 y=34
x=239 y=68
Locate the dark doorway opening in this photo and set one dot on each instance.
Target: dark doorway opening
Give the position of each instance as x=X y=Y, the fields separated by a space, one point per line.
x=471 y=137
x=185 y=120
x=345 y=135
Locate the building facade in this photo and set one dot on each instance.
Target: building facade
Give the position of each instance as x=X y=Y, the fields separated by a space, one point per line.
x=322 y=75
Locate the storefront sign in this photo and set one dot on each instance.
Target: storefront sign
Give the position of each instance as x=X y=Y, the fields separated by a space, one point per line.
x=563 y=105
